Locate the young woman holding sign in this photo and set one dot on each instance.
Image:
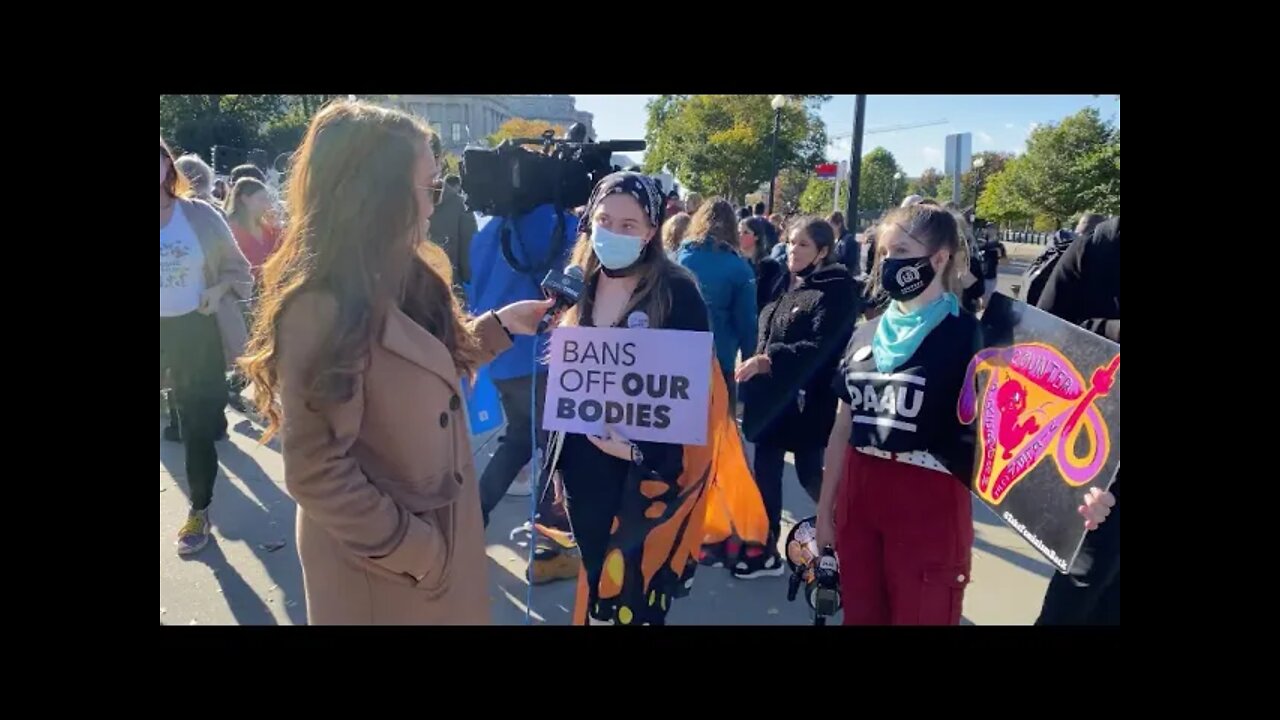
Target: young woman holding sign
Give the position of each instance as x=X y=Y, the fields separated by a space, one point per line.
x=358 y=348
x=895 y=497
x=637 y=509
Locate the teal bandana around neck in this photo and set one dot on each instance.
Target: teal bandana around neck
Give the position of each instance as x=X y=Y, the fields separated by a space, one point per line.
x=900 y=333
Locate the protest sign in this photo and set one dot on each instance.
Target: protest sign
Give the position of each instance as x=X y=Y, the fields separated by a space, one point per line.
x=651 y=385
x=1047 y=415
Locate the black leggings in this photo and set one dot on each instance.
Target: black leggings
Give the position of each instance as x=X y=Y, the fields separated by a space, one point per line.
x=769 y=464
x=515 y=447
x=191 y=348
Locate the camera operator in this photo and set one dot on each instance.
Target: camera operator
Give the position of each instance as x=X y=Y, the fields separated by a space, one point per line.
x=496 y=283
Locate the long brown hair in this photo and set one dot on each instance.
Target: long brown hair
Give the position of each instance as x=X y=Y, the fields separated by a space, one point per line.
x=936 y=228
x=652 y=294
x=354 y=232
x=674 y=231
x=175 y=183
x=715 y=222
x=243 y=188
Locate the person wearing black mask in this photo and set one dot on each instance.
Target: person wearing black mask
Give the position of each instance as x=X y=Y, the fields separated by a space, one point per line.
x=895 y=496
x=789 y=401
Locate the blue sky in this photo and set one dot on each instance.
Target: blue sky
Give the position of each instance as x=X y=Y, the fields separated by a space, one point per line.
x=998 y=122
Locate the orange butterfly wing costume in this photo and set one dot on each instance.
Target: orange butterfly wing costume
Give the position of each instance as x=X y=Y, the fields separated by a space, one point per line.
x=715 y=497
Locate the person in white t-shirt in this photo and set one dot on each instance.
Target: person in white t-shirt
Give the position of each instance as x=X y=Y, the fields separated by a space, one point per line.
x=203 y=276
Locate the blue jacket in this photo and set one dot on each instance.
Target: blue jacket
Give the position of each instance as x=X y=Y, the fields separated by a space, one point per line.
x=495 y=284
x=729 y=286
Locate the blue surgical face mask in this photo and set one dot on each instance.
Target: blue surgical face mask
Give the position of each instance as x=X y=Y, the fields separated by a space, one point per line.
x=615 y=251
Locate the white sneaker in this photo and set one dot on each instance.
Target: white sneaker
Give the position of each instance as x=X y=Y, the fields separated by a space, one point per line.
x=521 y=487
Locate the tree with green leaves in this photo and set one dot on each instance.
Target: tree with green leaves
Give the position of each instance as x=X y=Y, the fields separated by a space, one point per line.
x=238 y=124
x=816 y=199
x=877 y=187
x=926 y=185
x=792 y=182
x=1003 y=199
x=977 y=177
x=196 y=123
x=1069 y=168
x=720 y=144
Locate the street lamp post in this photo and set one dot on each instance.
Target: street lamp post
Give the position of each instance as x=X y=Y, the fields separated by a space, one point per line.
x=978 y=162
x=778 y=102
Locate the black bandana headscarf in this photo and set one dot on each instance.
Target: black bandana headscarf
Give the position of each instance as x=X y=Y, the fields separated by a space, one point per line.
x=640 y=187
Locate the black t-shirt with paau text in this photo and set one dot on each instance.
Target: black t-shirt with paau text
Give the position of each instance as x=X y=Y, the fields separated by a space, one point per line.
x=913 y=407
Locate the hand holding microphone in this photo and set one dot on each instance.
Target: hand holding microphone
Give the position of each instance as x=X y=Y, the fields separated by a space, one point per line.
x=522 y=318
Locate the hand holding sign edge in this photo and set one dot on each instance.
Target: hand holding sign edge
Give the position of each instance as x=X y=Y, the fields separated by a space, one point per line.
x=1097 y=506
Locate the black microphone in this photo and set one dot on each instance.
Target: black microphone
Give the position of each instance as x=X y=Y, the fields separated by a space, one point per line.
x=566 y=287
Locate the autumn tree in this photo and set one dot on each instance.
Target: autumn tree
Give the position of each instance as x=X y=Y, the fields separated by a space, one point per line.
x=722 y=144
x=522 y=128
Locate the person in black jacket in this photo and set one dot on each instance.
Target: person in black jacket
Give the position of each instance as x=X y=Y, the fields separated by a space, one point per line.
x=1085 y=289
x=1034 y=280
x=869 y=249
x=771 y=276
x=790 y=404
x=848 y=250
x=992 y=251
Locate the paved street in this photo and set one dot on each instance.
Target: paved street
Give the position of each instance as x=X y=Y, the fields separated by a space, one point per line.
x=249 y=574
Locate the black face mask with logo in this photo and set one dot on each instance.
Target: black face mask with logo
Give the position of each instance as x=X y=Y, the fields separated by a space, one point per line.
x=905 y=278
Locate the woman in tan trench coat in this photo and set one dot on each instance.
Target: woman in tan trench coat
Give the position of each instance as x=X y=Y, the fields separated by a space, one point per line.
x=356 y=356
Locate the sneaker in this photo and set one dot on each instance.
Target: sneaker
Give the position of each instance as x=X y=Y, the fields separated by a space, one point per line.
x=552 y=523
x=550 y=564
x=718 y=555
x=195 y=534
x=521 y=487
x=758 y=561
